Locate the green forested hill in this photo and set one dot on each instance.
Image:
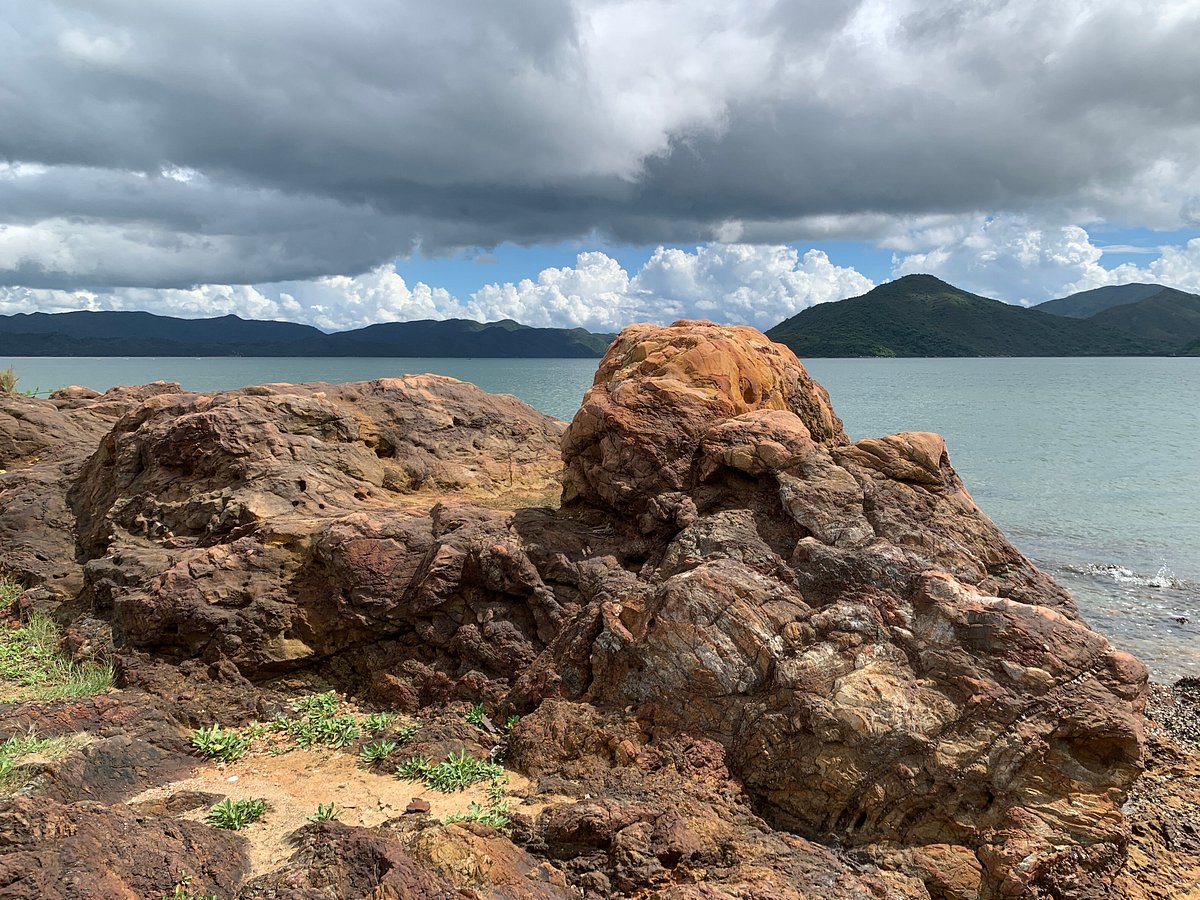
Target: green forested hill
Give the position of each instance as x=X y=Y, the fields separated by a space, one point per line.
x=920 y=315
x=113 y=333
x=1086 y=304
x=1169 y=316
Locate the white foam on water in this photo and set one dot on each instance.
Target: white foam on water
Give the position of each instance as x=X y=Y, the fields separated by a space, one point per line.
x=1163 y=578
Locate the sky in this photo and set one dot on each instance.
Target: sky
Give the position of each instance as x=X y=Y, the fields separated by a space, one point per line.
x=589 y=163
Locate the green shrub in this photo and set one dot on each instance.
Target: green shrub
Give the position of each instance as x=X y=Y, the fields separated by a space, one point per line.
x=495 y=815
x=319 y=723
x=8 y=381
x=236 y=814
x=475 y=714
x=406 y=733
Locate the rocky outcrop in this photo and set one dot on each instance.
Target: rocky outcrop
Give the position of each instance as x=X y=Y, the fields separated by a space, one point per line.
x=884 y=668
x=279 y=525
x=77 y=851
x=742 y=640
x=43 y=446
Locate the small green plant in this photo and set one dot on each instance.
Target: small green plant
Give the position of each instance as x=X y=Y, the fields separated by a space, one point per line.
x=495 y=815
x=476 y=714
x=377 y=751
x=236 y=814
x=215 y=742
x=325 y=813
x=511 y=722
x=415 y=768
x=454 y=773
x=406 y=733
x=318 y=706
x=183 y=890
x=33 y=668
x=376 y=723
x=8 y=381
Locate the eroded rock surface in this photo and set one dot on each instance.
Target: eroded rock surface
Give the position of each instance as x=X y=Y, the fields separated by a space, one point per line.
x=754 y=658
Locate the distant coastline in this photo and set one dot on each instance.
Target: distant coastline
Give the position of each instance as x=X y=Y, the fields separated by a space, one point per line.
x=914 y=316
x=142 y=334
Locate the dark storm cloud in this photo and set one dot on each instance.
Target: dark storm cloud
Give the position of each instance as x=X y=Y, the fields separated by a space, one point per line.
x=165 y=144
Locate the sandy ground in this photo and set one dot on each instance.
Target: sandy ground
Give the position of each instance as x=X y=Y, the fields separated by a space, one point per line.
x=295 y=782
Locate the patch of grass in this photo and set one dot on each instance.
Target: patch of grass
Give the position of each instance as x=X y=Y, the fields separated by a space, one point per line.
x=475 y=714
x=16 y=751
x=9 y=592
x=215 y=742
x=8 y=381
x=34 y=669
x=325 y=813
x=377 y=751
x=377 y=723
x=414 y=768
x=454 y=773
x=236 y=814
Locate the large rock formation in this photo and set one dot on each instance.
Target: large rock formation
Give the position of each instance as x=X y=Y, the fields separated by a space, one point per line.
x=736 y=613
x=885 y=669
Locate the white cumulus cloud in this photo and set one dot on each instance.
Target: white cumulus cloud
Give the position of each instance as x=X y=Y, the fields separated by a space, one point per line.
x=758 y=285
x=741 y=283
x=1013 y=259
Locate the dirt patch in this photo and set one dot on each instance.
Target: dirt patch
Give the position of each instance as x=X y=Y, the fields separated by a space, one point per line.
x=294 y=783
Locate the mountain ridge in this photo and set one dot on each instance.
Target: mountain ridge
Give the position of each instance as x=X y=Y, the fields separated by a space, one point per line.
x=136 y=333
x=923 y=316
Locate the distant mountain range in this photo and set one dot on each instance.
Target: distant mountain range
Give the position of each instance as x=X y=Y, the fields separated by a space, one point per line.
x=919 y=315
x=146 y=334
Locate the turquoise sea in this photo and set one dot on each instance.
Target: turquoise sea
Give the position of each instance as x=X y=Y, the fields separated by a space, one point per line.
x=1091 y=466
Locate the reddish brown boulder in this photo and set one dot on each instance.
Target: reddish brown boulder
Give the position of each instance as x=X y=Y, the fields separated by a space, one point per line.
x=884 y=667
x=197 y=469
x=51 y=851
x=656 y=394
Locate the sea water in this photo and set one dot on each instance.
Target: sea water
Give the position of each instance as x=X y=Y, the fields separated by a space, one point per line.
x=1091 y=466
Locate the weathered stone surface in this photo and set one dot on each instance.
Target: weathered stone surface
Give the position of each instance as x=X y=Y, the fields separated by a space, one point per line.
x=340 y=862
x=52 y=851
x=279 y=525
x=43 y=446
x=199 y=469
x=887 y=668
x=657 y=393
